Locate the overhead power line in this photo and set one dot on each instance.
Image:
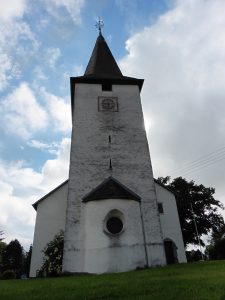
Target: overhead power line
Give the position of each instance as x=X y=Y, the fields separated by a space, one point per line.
x=202 y=162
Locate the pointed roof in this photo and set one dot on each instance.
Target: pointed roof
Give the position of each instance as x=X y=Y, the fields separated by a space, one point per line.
x=102 y=68
x=111 y=188
x=35 y=205
x=102 y=63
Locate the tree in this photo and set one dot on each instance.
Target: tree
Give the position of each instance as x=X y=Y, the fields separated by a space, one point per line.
x=205 y=208
x=12 y=257
x=26 y=262
x=53 y=255
x=216 y=248
x=193 y=255
x=1 y=234
x=2 y=247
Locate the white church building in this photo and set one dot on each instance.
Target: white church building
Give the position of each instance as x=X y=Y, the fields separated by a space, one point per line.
x=114 y=215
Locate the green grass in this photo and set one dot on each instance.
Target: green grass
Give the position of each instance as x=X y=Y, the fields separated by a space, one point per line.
x=203 y=280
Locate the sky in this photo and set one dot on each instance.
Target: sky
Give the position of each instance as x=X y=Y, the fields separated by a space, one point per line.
x=177 y=46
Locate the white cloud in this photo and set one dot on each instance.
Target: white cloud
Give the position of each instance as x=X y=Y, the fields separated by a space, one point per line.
x=39 y=74
x=52 y=55
x=59 y=110
x=21 y=186
x=17 y=217
x=182 y=58
x=17 y=41
x=72 y=7
x=11 y=9
x=55 y=171
x=21 y=112
x=78 y=70
x=5 y=67
x=43 y=146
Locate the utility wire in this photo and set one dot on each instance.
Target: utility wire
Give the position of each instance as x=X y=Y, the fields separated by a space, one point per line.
x=218 y=151
x=201 y=162
x=203 y=166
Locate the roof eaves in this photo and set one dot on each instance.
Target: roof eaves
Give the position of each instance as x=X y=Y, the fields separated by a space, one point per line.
x=88 y=196
x=165 y=187
x=35 y=205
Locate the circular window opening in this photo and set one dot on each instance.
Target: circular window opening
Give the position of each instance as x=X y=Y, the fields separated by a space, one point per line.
x=114 y=225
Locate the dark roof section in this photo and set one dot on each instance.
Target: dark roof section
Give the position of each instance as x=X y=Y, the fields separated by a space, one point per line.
x=35 y=205
x=111 y=188
x=102 y=63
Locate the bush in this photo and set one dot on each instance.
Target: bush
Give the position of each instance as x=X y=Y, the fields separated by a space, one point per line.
x=193 y=255
x=53 y=255
x=217 y=249
x=8 y=274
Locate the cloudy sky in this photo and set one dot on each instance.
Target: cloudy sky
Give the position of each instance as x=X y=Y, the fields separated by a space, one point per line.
x=177 y=46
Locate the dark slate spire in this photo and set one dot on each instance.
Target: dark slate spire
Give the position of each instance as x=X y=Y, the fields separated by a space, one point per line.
x=102 y=68
x=102 y=63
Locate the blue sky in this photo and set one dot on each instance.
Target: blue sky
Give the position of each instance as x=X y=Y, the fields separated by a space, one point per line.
x=60 y=47
x=177 y=46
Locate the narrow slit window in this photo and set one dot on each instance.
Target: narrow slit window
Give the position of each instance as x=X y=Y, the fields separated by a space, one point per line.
x=110 y=164
x=160 y=208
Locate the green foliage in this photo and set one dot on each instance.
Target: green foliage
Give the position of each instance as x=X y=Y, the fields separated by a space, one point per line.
x=195 y=281
x=2 y=247
x=194 y=255
x=216 y=250
x=8 y=274
x=219 y=234
x=1 y=234
x=26 y=262
x=205 y=207
x=53 y=255
x=12 y=257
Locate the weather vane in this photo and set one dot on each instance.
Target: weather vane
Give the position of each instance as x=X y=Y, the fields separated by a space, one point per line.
x=99 y=24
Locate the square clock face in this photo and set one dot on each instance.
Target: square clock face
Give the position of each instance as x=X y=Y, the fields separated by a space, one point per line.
x=107 y=104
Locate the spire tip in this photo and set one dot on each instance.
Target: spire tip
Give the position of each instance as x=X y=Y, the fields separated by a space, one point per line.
x=99 y=24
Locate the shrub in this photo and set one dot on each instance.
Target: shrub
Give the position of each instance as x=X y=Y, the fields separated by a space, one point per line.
x=53 y=255
x=193 y=255
x=8 y=274
x=217 y=249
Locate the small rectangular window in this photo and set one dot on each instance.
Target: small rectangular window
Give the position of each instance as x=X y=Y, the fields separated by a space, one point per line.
x=160 y=208
x=107 y=86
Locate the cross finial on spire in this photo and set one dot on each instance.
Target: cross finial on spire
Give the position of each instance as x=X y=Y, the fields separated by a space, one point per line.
x=99 y=24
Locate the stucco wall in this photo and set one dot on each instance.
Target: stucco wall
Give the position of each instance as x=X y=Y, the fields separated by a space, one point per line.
x=170 y=220
x=89 y=165
x=50 y=219
x=105 y=252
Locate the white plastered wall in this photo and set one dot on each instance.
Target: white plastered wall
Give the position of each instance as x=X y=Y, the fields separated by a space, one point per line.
x=50 y=219
x=170 y=222
x=107 y=253
x=89 y=165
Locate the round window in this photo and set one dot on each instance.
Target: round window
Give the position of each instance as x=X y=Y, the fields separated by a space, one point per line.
x=114 y=225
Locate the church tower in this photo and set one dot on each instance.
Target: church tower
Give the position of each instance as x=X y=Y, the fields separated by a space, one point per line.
x=112 y=220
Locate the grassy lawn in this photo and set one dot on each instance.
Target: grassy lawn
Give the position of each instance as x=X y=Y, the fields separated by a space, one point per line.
x=203 y=280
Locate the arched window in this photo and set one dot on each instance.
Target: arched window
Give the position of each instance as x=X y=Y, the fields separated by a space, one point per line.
x=170 y=251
